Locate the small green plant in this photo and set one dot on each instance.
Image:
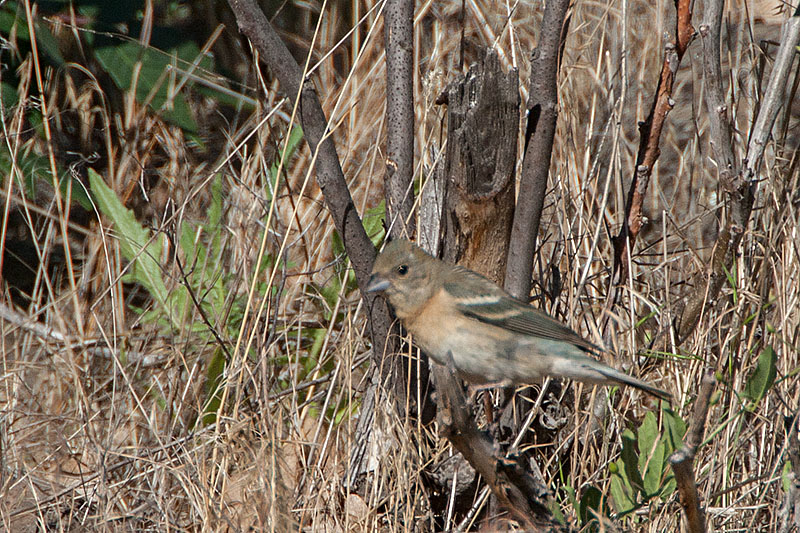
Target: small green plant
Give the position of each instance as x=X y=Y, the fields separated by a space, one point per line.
x=201 y=285
x=641 y=474
x=762 y=378
x=160 y=75
x=638 y=477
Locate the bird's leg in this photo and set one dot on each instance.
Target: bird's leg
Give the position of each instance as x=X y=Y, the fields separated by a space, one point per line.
x=487 y=407
x=473 y=391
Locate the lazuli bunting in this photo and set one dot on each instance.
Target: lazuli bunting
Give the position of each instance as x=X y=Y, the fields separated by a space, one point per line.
x=456 y=315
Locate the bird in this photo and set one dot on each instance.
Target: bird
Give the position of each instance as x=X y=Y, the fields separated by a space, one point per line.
x=459 y=317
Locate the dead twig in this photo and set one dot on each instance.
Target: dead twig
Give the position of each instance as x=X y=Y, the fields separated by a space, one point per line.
x=649 y=151
x=683 y=459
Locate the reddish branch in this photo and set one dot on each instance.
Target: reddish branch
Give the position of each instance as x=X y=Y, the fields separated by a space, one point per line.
x=649 y=150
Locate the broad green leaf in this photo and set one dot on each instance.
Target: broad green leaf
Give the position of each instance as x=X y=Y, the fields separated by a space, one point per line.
x=621 y=494
x=630 y=460
x=591 y=505
x=154 y=79
x=762 y=378
x=647 y=435
x=669 y=486
x=674 y=430
x=655 y=470
x=135 y=243
x=651 y=455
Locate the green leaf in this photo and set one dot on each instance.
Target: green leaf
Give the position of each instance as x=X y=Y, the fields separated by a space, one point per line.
x=630 y=460
x=591 y=505
x=135 y=243
x=786 y=479
x=47 y=43
x=621 y=493
x=213 y=387
x=762 y=378
x=647 y=435
x=668 y=487
x=13 y=18
x=674 y=429
x=626 y=482
x=8 y=96
x=154 y=81
x=373 y=223
x=655 y=470
x=651 y=455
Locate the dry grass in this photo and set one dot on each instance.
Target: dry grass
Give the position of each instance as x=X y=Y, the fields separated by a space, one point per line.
x=99 y=406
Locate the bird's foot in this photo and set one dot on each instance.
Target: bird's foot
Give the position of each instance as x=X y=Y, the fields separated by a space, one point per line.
x=475 y=389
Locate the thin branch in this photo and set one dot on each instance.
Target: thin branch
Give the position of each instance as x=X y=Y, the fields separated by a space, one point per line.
x=399 y=38
x=740 y=186
x=719 y=121
x=541 y=129
x=514 y=487
x=255 y=26
x=683 y=459
x=774 y=95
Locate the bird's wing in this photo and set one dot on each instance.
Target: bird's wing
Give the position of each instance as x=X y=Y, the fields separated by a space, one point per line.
x=479 y=298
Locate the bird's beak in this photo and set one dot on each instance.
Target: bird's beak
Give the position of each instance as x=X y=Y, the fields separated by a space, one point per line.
x=377 y=284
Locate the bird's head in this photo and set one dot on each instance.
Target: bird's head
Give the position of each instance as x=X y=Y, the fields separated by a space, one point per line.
x=406 y=275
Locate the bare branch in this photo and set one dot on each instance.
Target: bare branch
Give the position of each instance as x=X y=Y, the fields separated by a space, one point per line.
x=740 y=184
x=399 y=37
x=682 y=460
x=774 y=95
x=541 y=129
x=719 y=121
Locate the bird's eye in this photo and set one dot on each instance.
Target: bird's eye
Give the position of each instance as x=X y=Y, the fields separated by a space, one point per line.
x=402 y=270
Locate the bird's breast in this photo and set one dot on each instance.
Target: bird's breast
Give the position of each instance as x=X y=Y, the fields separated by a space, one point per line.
x=480 y=352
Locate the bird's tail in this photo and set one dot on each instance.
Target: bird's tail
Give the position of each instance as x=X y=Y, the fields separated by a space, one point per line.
x=593 y=371
x=625 y=379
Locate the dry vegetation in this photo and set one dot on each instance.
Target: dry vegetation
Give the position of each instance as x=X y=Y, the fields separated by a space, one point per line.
x=108 y=416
